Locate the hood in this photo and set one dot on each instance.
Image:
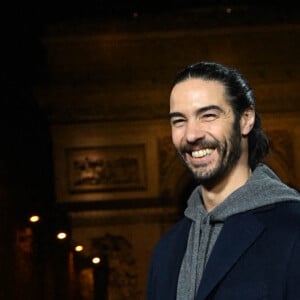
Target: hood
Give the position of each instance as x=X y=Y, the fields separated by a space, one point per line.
x=262 y=188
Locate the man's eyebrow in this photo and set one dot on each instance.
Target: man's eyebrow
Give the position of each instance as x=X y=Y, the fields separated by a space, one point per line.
x=175 y=114
x=209 y=107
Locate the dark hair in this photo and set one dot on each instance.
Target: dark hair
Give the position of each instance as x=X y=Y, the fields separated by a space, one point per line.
x=239 y=95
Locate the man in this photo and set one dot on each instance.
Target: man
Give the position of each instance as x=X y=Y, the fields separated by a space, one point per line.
x=239 y=238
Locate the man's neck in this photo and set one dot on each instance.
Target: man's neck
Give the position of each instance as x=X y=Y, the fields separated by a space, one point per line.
x=213 y=196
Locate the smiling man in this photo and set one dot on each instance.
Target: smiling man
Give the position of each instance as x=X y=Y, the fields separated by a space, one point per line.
x=240 y=235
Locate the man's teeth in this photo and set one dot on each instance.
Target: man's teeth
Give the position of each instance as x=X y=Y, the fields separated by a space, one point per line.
x=201 y=153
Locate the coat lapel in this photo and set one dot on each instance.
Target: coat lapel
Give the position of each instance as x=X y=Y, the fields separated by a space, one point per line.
x=237 y=235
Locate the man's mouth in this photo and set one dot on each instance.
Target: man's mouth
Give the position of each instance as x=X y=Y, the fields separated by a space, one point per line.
x=201 y=153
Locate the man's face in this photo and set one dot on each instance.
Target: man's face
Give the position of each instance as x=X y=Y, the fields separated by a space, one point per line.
x=204 y=130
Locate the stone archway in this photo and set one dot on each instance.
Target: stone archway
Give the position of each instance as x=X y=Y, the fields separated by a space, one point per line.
x=282 y=158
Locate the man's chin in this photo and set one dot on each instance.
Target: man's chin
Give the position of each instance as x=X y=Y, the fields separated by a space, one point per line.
x=207 y=177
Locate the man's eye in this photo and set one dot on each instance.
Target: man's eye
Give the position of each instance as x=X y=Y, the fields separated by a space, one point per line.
x=177 y=122
x=209 y=117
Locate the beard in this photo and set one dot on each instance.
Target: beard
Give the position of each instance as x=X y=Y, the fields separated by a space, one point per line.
x=229 y=153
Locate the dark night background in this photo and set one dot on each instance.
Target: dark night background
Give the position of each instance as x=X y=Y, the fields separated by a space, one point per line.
x=25 y=150
x=26 y=145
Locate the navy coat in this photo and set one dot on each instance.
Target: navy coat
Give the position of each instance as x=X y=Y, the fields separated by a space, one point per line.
x=256 y=256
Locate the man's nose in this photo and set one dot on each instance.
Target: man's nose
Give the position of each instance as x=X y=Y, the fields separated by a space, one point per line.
x=194 y=131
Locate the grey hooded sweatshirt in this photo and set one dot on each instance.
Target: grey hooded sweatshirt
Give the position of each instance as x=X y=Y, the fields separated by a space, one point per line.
x=262 y=188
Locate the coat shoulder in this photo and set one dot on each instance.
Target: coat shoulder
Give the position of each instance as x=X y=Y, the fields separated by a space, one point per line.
x=178 y=233
x=284 y=214
x=166 y=261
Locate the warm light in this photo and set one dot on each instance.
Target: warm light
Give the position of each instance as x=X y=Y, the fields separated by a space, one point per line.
x=96 y=260
x=34 y=218
x=228 y=10
x=61 y=235
x=78 y=248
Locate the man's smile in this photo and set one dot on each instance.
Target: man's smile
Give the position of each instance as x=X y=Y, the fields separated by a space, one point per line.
x=201 y=153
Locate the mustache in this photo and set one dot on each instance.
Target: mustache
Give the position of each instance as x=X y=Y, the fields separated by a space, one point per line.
x=203 y=144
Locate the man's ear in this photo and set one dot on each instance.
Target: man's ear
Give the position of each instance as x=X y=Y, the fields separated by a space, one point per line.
x=247 y=120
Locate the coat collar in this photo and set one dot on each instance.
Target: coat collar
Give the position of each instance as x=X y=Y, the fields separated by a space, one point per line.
x=238 y=233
